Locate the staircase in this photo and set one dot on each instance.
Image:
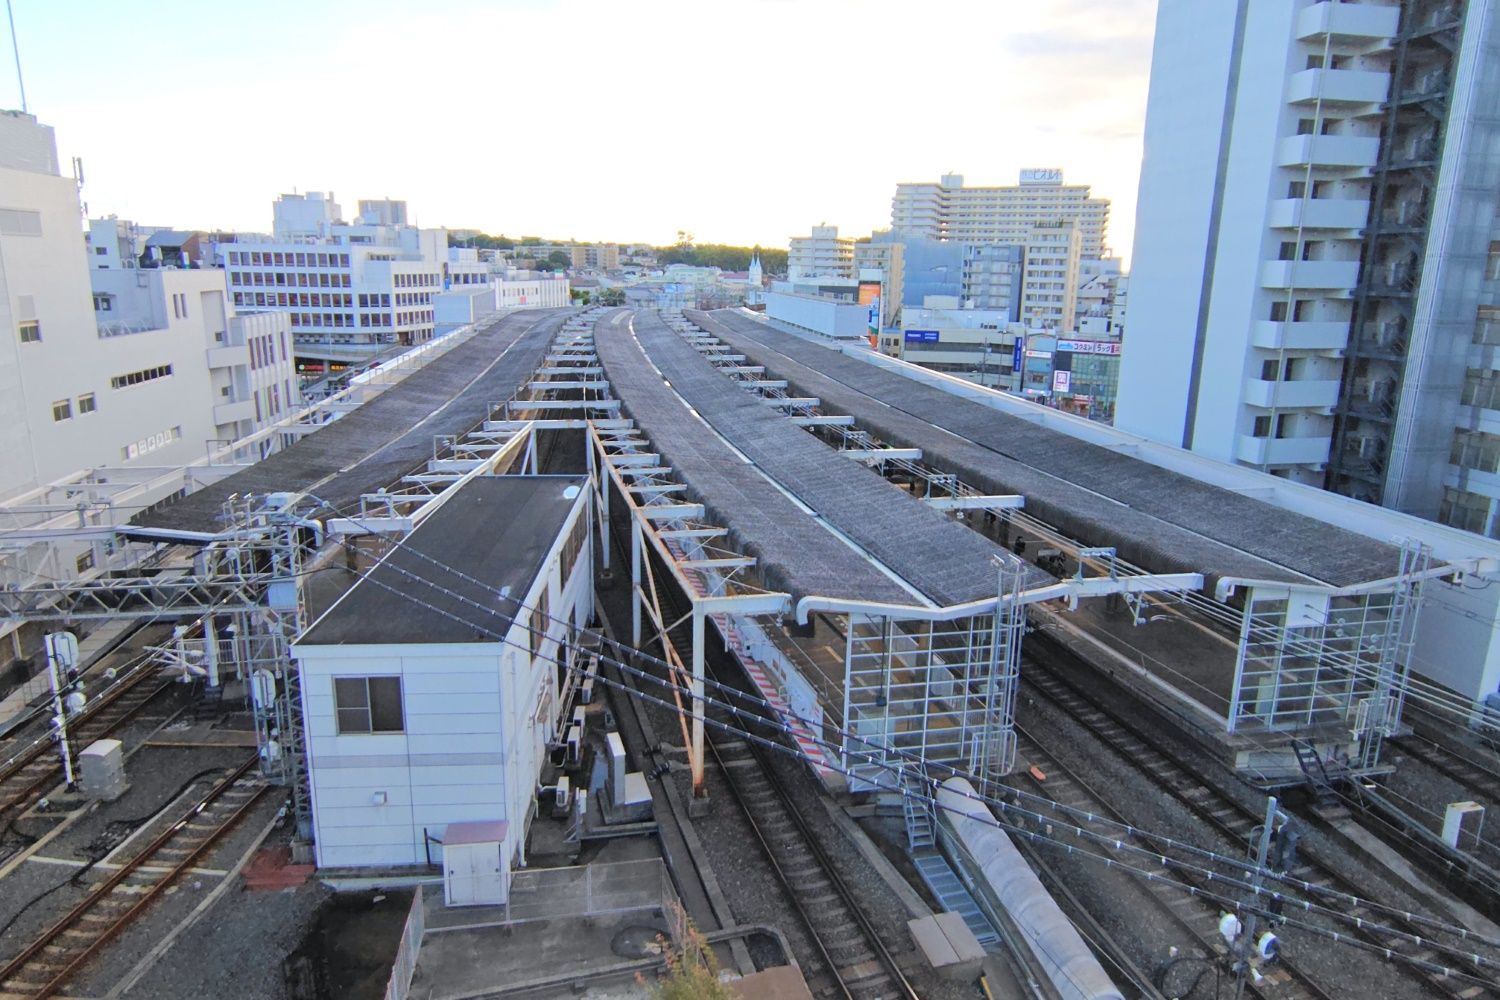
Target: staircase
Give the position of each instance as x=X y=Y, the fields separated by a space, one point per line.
x=1314 y=770
x=953 y=895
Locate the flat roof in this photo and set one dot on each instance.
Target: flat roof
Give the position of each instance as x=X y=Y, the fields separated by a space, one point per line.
x=944 y=560
x=795 y=552
x=376 y=444
x=1161 y=520
x=495 y=532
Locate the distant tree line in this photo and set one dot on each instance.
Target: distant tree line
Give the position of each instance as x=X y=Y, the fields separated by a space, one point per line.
x=685 y=251
x=726 y=258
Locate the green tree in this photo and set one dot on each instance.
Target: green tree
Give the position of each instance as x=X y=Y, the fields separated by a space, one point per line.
x=560 y=259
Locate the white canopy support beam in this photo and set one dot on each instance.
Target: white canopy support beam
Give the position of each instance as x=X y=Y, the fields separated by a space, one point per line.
x=671 y=511
x=721 y=562
x=824 y=420
x=979 y=501
x=882 y=454
x=794 y=402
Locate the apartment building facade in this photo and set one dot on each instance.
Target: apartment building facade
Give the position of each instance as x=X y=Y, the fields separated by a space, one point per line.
x=822 y=254
x=1049 y=280
x=1317 y=262
x=948 y=210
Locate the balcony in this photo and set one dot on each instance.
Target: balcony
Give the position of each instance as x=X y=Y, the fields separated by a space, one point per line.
x=1338 y=86
x=1351 y=21
x=1273 y=336
x=1339 y=275
x=1282 y=451
x=227 y=357
x=1319 y=213
x=230 y=413
x=1348 y=151
x=1319 y=394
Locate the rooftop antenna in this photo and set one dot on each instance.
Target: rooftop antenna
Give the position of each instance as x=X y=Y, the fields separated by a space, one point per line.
x=15 y=47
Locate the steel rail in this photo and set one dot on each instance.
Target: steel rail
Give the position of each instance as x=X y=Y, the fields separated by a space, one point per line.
x=102 y=891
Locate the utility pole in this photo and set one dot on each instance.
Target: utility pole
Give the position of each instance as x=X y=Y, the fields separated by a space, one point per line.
x=62 y=654
x=1247 y=940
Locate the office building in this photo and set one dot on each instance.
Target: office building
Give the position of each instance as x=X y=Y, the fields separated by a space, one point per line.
x=352 y=290
x=947 y=210
x=823 y=254
x=120 y=367
x=1317 y=257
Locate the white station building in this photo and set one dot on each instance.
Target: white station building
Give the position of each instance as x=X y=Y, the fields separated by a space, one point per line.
x=430 y=698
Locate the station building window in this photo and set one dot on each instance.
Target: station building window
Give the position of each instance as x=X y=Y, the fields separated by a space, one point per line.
x=368 y=705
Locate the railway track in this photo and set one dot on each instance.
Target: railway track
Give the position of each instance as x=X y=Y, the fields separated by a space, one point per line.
x=1468 y=773
x=27 y=776
x=1142 y=751
x=855 y=962
x=45 y=965
x=1195 y=916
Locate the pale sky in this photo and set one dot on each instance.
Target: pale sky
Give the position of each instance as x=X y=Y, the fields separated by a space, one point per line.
x=742 y=122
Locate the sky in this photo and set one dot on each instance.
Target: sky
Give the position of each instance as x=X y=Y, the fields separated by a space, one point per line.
x=740 y=122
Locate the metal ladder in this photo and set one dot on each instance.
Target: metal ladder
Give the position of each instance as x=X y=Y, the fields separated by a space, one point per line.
x=916 y=809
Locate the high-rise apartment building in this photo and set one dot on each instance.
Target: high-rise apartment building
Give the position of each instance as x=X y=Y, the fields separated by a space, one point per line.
x=1317 y=254
x=824 y=254
x=122 y=367
x=351 y=290
x=947 y=210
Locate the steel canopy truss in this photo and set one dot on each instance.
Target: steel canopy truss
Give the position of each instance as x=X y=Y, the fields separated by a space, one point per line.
x=711 y=575
x=1320 y=657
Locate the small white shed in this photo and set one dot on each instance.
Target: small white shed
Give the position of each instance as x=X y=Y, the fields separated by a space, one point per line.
x=476 y=866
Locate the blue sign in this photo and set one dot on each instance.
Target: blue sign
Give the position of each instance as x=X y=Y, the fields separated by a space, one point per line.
x=921 y=336
x=1016 y=359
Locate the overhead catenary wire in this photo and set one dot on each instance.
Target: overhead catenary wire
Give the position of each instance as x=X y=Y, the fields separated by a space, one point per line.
x=931 y=800
x=1079 y=831
x=1125 y=830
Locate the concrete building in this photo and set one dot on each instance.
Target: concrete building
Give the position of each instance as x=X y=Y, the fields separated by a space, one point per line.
x=842 y=318
x=352 y=290
x=1103 y=287
x=106 y=367
x=823 y=254
x=947 y=210
x=1315 y=273
x=416 y=719
x=1049 y=282
x=114 y=243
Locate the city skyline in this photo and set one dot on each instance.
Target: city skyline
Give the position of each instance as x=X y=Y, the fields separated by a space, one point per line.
x=625 y=130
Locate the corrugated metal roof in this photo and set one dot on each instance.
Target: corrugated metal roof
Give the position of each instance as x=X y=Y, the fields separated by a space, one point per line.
x=1156 y=518
x=795 y=552
x=943 y=559
x=494 y=533
x=376 y=444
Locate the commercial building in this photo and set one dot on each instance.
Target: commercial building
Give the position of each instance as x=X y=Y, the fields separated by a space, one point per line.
x=880 y=261
x=119 y=367
x=947 y=210
x=823 y=254
x=975 y=344
x=352 y=290
x=1317 y=257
